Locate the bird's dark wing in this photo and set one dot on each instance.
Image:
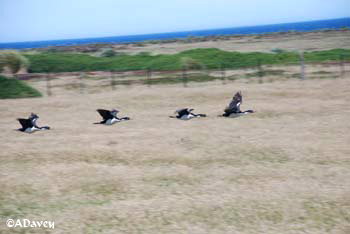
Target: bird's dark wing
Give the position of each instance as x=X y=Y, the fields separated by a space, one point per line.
x=26 y=123
x=235 y=104
x=182 y=112
x=106 y=114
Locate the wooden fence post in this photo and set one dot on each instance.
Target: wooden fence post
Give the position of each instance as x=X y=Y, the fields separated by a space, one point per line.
x=342 y=67
x=48 y=84
x=82 y=74
x=260 y=71
x=184 y=76
x=223 y=74
x=302 y=65
x=112 y=80
x=149 y=77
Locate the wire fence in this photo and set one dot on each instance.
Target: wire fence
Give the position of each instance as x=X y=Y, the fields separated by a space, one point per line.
x=83 y=82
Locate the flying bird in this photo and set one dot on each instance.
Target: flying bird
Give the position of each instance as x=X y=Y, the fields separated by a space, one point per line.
x=110 y=117
x=233 y=110
x=29 y=125
x=186 y=114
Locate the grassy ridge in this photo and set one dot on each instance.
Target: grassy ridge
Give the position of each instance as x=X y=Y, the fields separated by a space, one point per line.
x=211 y=58
x=12 y=88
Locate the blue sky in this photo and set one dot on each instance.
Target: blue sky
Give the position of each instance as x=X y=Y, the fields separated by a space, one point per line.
x=33 y=20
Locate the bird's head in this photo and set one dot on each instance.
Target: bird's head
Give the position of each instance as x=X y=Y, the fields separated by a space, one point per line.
x=33 y=116
x=114 y=112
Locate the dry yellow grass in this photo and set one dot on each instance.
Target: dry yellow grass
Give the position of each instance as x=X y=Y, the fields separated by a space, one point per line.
x=322 y=40
x=284 y=169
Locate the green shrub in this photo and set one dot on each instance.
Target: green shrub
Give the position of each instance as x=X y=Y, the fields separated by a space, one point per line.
x=12 y=60
x=277 y=50
x=108 y=53
x=190 y=63
x=12 y=88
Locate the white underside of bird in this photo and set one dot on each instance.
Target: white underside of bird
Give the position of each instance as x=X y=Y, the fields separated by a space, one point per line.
x=32 y=129
x=235 y=115
x=188 y=117
x=112 y=121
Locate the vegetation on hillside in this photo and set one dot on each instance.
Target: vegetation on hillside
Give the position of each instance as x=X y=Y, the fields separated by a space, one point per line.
x=12 y=60
x=12 y=88
x=209 y=58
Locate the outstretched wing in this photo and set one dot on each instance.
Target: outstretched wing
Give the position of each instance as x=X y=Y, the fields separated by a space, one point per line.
x=235 y=104
x=106 y=114
x=182 y=112
x=26 y=123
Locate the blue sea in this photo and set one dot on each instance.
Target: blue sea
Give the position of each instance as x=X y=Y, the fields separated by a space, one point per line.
x=299 y=26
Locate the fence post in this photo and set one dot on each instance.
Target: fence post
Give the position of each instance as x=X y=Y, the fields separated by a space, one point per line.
x=302 y=65
x=342 y=68
x=223 y=74
x=149 y=76
x=184 y=76
x=82 y=74
x=48 y=84
x=112 y=80
x=260 y=71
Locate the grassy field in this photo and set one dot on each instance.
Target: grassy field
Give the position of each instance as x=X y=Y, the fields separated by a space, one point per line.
x=284 y=169
x=210 y=58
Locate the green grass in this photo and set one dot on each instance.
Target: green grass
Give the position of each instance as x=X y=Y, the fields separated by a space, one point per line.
x=211 y=58
x=12 y=88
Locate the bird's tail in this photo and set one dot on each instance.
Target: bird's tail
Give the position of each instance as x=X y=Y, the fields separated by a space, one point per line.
x=249 y=111
x=201 y=115
x=45 y=128
x=125 y=118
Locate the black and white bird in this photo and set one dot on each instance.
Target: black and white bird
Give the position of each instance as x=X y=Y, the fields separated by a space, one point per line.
x=29 y=125
x=110 y=117
x=234 y=110
x=186 y=114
